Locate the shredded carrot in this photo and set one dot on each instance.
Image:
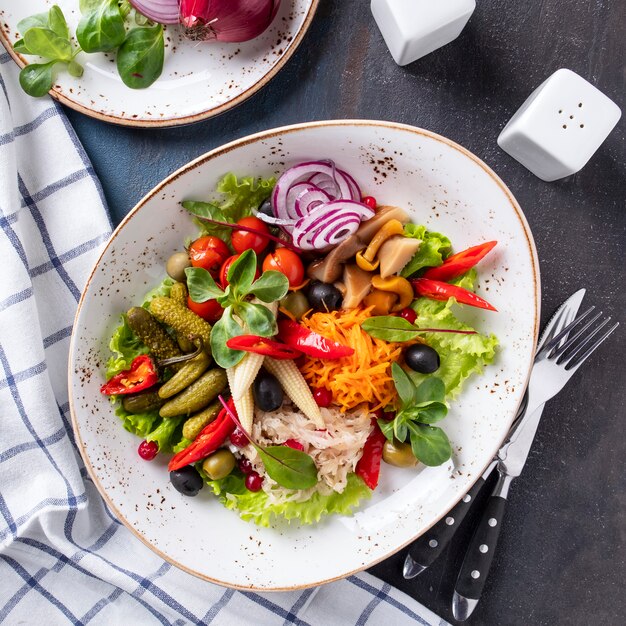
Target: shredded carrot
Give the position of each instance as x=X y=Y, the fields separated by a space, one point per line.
x=363 y=377
x=287 y=313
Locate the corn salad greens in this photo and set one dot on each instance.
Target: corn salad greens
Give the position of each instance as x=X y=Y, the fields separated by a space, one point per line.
x=306 y=339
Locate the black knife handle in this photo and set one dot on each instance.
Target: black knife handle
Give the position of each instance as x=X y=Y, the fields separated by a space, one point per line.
x=481 y=550
x=431 y=544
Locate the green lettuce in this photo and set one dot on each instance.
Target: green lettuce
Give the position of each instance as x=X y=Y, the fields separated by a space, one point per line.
x=243 y=195
x=167 y=433
x=125 y=346
x=254 y=507
x=139 y=424
x=433 y=250
x=461 y=355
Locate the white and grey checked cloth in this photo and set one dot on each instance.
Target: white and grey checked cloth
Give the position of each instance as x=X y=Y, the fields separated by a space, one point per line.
x=64 y=558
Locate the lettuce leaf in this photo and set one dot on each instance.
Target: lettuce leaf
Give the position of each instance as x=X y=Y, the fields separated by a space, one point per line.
x=243 y=195
x=254 y=507
x=435 y=247
x=167 y=434
x=125 y=346
x=461 y=355
x=139 y=424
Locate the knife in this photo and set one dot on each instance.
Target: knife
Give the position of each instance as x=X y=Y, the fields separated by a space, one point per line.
x=510 y=461
x=431 y=544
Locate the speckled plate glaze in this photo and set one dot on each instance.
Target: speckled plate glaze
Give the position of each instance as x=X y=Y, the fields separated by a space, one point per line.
x=198 y=80
x=444 y=186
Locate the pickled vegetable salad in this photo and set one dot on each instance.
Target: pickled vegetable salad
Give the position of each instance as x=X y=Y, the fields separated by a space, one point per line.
x=305 y=336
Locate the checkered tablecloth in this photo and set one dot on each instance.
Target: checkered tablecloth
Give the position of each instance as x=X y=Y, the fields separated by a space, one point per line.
x=64 y=558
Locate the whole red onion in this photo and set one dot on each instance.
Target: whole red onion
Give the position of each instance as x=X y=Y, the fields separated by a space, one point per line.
x=226 y=20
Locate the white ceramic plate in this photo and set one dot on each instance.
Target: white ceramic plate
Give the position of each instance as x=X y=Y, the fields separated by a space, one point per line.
x=445 y=187
x=198 y=80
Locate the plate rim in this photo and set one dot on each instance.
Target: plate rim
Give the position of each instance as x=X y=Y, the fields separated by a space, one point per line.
x=223 y=149
x=179 y=121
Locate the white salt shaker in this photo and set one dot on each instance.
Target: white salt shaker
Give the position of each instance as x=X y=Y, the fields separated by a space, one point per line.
x=414 y=28
x=560 y=126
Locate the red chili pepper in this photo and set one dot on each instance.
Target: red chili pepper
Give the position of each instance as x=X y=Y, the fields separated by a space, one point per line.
x=437 y=290
x=141 y=375
x=211 y=437
x=262 y=345
x=368 y=467
x=460 y=262
x=305 y=340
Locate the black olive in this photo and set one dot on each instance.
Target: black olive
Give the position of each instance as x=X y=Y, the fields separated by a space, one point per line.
x=324 y=296
x=266 y=208
x=187 y=480
x=422 y=358
x=267 y=392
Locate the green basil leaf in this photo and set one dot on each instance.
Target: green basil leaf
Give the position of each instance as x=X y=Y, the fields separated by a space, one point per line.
x=102 y=29
x=258 y=319
x=20 y=47
x=271 y=286
x=400 y=428
x=431 y=390
x=201 y=285
x=390 y=328
x=57 y=23
x=225 y=328
x=75 y=68
x=292 y=469
x=430 y=444
x=433 y=413
x=404 y=385
x=46 y=43
x=241 y=273
x=36 y=78
x=40 y=20
x=140 y=57
x=386 y=427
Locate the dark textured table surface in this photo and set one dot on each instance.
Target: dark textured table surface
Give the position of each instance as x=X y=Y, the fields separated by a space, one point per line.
x=561 y=555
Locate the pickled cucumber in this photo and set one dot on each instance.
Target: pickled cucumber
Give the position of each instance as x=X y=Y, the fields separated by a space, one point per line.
x=180 y=318
x=179 y=293
x=197 y=396
x=187 y=374
x=142 y=402
x=152 y=334
x=193 y=426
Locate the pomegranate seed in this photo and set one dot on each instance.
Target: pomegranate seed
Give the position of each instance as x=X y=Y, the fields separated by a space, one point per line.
x=370 y=201
x=408 y=314
x=238 y=438
x=244 y=465
x=148 y=450
x=253 y=482
x=323 y=396
x=296 y=445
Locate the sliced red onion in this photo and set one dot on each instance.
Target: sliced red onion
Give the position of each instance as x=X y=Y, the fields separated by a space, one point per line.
x=161 y=11
x=356 y=190
x=275 y=221
x=309 y=200
x=293 y=195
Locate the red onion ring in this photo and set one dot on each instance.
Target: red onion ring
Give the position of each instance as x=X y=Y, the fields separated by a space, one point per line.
x=161 y=11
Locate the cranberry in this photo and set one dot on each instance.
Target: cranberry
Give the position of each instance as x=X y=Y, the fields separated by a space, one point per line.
x=238 y=438
x=244 y=465
x=379 y=414
x=148 y=450
x=408 y=314
x=296 y=445
x=370 y=201
x=323 y=396
x=253 y=482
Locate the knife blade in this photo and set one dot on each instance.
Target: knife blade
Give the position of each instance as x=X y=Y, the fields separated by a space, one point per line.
x=425 y=550
x=511 y=459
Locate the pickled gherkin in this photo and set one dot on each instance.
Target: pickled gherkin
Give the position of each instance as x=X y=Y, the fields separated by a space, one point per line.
x=186 y=375
x=197 y=396
x=180 y=318
x=179 y=293
x=193 y=426
x=152 y=334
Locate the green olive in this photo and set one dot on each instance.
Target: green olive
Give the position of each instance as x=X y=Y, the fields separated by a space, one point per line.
x=176 y=266
x=398 y=454
x=219 y=465
x=296 y=303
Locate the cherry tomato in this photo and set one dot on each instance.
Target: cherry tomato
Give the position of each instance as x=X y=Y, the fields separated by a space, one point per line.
x=243 y=240
x=209 y=253
x=226 y=266
x=211 y=310
x=287 y=262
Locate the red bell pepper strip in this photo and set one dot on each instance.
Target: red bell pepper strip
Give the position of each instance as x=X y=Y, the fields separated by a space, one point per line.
x=438 y=290
x=311 y=343
x=211 y=437
x=262 y=345
x=141 y=375
x=459 y=263
x=368 y=467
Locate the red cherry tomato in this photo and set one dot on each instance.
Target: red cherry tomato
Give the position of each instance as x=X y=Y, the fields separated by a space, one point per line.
x=226 y=266
x=209 y=253
x=287 y=262
x=211 y=310
x=244 y=240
